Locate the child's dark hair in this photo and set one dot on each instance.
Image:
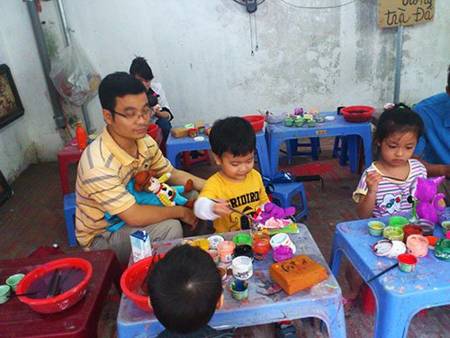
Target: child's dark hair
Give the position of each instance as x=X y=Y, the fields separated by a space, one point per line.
x=398 y=118
x=234 y=135
x=117 y=85
x=152 y=100
x=184 y=288
x=139 y=66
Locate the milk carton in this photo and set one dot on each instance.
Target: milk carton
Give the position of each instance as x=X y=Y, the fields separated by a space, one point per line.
x=140 y=245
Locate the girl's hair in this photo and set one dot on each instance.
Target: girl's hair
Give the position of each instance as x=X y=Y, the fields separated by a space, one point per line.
x=398 y=118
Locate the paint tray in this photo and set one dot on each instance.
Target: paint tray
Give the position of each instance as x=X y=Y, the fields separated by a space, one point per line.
x=297 y=273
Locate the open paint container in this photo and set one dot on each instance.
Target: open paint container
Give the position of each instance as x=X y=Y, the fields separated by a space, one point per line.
x=417 y=245
x=388 y=248
x=398 y=221
x=407 y=262
x=442 y=249
x=282 y=239
x=243 y=250
x=242 y=239
x=225 y=250
x=376 y=228
x=214 y=241
x=239 y=289
x=242 y=267
x=282 y=253
x=261 y=247
x=393 y=233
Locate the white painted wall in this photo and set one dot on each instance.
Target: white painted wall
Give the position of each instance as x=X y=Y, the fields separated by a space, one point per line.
x=200 y=52
x=33 y=136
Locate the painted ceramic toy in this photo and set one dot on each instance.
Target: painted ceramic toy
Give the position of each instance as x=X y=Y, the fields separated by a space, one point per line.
x=168 y=195
x=430 y=203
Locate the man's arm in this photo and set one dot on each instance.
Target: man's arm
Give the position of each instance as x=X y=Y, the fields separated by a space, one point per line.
x=142 y=215
x=179 y=177
x=434 y=170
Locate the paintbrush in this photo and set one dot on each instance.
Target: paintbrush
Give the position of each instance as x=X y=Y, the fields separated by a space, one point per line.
x=250 y=219
x=382 y=273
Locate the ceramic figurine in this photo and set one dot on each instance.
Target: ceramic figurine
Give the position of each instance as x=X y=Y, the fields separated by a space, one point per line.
x=430 y=203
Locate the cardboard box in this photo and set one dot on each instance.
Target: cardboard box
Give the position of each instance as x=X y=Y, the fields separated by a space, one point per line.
x=297 y=273
x=140 y=245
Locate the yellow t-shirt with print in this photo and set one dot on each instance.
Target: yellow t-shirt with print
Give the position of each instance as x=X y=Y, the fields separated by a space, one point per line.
x=245 y=196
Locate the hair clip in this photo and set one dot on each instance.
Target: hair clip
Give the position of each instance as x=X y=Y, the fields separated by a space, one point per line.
x=388 y=106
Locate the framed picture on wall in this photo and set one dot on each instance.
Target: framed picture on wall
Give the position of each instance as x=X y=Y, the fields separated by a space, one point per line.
x=10 y=105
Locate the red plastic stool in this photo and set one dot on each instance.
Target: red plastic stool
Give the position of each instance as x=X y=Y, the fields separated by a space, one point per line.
x=188 y=160
x=368 y=303
x=70 y=154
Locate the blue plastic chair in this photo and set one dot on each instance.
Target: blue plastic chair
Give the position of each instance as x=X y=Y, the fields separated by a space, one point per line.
x=284 y=193
x=69 y=215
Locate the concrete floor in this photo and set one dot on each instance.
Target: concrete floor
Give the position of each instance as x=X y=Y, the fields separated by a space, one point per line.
x=33 y=217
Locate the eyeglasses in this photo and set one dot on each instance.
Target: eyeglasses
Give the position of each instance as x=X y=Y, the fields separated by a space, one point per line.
x=146 y=113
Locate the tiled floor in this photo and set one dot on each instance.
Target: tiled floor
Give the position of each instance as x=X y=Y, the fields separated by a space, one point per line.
x=33 y=217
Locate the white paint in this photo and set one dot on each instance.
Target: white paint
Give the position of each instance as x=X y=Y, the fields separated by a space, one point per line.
x=200 y=52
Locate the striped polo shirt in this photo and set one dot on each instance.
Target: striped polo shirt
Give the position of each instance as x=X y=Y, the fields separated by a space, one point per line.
x=392 y=195
x=103 y=173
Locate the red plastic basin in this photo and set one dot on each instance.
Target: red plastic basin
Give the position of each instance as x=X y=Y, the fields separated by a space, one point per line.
x=257 y=121
x=133 y=282
x=358 y=113
x=64 y=300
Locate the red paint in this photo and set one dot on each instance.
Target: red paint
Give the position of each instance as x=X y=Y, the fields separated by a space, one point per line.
x=407 y=259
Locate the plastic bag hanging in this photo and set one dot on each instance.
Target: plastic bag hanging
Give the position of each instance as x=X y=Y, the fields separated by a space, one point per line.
x=73 y=75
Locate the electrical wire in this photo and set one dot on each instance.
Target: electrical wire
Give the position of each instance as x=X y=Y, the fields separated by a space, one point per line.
x=316 y=7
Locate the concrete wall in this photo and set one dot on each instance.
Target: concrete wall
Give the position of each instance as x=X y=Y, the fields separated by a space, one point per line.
x=33 y=136
x=200 y=51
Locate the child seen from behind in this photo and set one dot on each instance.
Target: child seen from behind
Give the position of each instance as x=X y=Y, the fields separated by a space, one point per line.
x=237 y=188
x=184 y=289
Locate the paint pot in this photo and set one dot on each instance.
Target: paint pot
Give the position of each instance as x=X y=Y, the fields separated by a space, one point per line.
x=13 y=280
x=282 y=239
x=426 y=226
x=330 y=118
x=417 y=245
x=398 y=221
x=432 y=240
x=393 y=233
x=398 y=248
x=445 y=226
x=243 y=250
x=225 y=250
x=214 y=255
x=282 y=253
x=242 y=238
x=214 y=241
x=261 y=247
x=376 y=228
x=382 y=247
x=288 y=121
x=407 y=262
x=201 y=243
x=442 y=249
x=5 y=291
x=298 y=122
x=411 y=229
x=239 y=290
x=193 y=132
x=242 y=267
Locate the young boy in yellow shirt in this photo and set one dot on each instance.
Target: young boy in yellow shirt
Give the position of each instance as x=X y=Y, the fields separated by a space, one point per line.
x=237 y=186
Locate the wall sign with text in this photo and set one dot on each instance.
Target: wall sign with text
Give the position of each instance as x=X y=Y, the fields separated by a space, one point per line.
x=393 y=13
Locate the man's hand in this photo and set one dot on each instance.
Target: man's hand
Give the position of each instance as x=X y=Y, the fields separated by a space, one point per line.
x=221 y=208
x=188 y=217
x=372 y=180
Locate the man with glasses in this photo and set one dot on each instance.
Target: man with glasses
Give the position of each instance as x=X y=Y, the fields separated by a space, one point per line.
x=434 y=146
x=109 y=162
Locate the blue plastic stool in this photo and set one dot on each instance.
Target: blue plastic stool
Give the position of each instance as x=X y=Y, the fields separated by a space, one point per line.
x=293 y=145
x=284 y=193
x=69 y=215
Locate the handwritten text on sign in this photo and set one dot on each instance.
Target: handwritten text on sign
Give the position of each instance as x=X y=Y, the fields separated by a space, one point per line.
x=392 y=13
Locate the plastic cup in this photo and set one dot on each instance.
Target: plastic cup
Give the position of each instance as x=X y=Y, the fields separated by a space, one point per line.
x=5 y=291
x=398 y=221
x=13 y=280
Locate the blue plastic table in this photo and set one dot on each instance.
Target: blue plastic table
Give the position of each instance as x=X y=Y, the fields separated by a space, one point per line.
x=174 y=146
x=322 y=300
x=399 y=295
x=278 y=133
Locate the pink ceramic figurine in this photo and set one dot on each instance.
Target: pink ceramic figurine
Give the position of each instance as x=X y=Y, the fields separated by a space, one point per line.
x=430 y=203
